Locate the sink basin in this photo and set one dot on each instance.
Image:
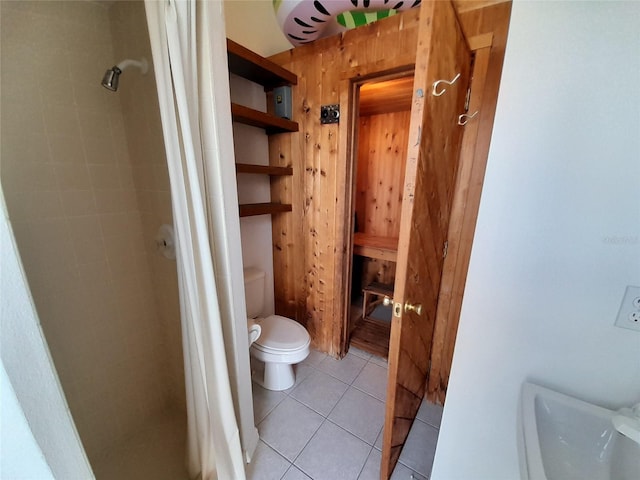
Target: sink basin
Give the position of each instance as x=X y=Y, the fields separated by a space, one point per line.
x=564 y=438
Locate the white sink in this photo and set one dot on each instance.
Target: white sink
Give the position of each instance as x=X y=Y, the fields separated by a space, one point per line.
x=564 y=438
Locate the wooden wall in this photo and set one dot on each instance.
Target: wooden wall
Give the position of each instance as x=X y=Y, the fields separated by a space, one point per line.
x=309 y=251
x=308 y=254
x=382 y=155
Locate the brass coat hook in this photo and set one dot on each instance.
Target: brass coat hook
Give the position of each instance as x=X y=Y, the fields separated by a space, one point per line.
x=437 y=93
x=464 y=118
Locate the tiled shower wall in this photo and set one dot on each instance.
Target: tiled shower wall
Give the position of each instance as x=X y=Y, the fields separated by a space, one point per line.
x=85 y=201
x=149 y=166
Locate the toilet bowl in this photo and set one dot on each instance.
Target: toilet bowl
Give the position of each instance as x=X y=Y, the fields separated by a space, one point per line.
x=282 y=342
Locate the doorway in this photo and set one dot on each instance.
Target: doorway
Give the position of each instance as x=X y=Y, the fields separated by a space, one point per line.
x=380 y=129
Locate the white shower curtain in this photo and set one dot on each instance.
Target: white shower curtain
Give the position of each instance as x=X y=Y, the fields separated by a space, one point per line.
x=179 y=38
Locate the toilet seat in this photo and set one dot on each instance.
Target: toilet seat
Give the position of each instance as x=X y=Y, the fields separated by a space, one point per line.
x=281 y=335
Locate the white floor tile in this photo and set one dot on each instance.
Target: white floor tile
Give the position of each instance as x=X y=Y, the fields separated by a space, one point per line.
x=346 y=369
x=402 y=472
x=419 y=450
x=314 y=358
x=371 y=470
x=288 y=428
x=301 y=371
x=360 y=414
x=378 y=443
x=379 y=361
x=373 y=380
x=320 y=392
x=294 y=474
x=264 y=401
x=360 y=353
x=293 y=428
x=430 y=413
x=266 y=464
x=333 y=454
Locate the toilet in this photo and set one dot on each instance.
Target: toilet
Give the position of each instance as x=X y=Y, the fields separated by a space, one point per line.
x=282 y=342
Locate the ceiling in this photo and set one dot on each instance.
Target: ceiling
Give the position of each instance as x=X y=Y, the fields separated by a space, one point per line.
x=386 y=96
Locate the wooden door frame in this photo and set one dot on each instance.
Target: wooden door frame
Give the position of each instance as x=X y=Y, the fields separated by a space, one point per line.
x=349 y=96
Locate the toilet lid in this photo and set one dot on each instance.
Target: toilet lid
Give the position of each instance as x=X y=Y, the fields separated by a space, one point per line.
x=281 y=333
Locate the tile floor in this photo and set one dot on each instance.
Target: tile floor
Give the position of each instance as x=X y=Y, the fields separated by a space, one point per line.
x=328 y=426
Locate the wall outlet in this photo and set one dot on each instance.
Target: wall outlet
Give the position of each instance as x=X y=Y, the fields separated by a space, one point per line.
x=629 y=313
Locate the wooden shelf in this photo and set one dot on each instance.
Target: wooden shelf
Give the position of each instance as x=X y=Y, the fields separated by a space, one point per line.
x=252 y=209
x=250 y=65
x=256 y=118
x=263 y=169
x=253 y=67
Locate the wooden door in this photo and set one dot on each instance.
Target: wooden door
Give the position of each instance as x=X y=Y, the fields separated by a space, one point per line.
x=432 y=159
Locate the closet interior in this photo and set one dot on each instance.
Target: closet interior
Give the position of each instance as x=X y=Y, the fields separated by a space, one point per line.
x=379 y=156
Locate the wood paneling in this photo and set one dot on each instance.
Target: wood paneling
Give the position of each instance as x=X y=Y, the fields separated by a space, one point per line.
x=388 y=96
x=432 y=158
x=376 y=270
x=382 y=154
x=493 y=21
x=321 y=174
x=382 y=146
x=463 y=6
x=311 y=245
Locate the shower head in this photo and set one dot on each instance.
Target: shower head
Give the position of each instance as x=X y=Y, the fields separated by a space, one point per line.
x=112 y=76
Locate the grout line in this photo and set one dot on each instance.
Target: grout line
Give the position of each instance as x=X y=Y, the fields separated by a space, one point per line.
x=326 y=419
x=314 y=368
x=305 y=446
x=370 y=395
x=365 y=463
x=428 y=424
x=353 y=434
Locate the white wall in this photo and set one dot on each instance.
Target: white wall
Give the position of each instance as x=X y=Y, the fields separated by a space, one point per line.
x=251 y=145
x=558 y=236
x=21 y=457
x=38 y=436
x=253 y=24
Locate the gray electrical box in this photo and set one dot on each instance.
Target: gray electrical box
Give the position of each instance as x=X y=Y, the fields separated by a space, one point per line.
x=282 y=101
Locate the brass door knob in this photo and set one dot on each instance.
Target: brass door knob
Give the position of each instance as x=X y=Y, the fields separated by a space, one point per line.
x=413 y=308
x=397 y=308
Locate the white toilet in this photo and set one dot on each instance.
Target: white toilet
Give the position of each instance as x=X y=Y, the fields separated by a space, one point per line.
x=282 y=342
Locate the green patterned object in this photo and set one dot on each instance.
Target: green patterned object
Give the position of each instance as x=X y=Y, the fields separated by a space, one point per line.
x=357 y=19
x=304 y=21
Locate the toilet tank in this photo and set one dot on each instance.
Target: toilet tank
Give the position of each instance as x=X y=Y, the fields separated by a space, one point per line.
x=254 y=291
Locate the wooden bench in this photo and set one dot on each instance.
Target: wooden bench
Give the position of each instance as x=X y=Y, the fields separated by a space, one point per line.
x=377 y=290
x=382 y=248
